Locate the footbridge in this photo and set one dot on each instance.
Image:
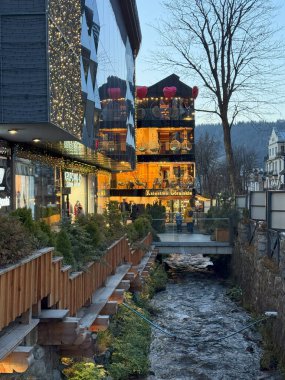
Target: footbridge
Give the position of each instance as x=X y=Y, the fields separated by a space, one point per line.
x=191 y=244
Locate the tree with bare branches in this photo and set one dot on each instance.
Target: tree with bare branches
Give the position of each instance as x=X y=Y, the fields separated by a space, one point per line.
x=230 y=48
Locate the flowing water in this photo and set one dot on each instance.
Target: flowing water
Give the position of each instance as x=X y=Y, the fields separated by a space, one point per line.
x=196 y=309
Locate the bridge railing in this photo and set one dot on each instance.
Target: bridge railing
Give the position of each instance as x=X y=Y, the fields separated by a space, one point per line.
x=216 y=229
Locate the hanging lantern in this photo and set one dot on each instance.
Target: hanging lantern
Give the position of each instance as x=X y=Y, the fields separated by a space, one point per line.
x=114 y=92
x=195 y=92
x=141 y=92
x=169 y=92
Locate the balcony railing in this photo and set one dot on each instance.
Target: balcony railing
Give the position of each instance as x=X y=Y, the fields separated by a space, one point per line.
x=166 y=148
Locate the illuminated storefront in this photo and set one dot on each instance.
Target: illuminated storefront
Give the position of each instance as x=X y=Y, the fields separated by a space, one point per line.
x=5 y=178
x=165 y=170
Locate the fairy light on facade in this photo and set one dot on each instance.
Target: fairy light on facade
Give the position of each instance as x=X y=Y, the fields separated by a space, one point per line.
x=66 y=106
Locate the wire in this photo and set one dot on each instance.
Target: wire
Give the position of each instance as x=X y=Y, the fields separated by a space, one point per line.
x=244 y=328
x=148 y=321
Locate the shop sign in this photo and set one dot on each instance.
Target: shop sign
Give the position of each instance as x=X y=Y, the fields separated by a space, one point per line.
x=2 y=175
x=5 y=202
x=72 y=179
x=168 y=192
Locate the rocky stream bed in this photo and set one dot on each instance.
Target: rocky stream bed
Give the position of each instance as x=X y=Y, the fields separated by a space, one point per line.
x=196 y=309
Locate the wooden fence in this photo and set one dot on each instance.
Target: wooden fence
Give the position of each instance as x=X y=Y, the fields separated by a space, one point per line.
x=41 y=276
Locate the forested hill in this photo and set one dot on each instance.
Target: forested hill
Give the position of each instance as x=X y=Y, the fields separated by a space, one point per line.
x=251 y=135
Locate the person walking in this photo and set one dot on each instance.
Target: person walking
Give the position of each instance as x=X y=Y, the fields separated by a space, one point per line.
x=179 y=220
x=188 y=218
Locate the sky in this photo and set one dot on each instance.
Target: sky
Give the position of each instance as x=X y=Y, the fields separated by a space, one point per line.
x=147 y=74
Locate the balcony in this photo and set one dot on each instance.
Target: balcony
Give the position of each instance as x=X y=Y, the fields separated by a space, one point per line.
x=155 y=117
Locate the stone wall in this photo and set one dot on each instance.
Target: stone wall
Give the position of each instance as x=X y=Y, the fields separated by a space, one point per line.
x=262 y=279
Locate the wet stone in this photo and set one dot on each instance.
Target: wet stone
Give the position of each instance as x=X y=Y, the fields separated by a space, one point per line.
x=197 y=310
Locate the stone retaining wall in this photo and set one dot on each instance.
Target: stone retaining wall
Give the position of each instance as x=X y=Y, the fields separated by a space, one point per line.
x=262 y=280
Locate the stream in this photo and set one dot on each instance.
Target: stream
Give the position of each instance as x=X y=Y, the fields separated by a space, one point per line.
x=196 y=309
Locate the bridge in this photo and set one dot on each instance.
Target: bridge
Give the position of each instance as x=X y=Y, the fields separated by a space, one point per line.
x=190 y=244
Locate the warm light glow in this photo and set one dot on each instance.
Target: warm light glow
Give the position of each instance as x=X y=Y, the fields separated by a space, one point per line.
x=13 y=131
x=36 y=140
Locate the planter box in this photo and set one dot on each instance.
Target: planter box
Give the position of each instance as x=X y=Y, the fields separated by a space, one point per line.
x=222 y=234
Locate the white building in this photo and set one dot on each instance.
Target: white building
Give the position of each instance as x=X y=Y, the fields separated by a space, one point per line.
x=274 y=166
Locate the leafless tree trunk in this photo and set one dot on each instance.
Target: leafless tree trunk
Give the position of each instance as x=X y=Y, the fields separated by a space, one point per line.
x=207 y=165
x=227 y=45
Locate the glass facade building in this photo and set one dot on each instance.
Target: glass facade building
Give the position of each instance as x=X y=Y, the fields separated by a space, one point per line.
x=67 y=92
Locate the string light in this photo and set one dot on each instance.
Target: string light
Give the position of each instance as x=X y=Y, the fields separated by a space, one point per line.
x=66 y=106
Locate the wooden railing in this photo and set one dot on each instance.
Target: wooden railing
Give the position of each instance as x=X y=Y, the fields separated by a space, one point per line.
x=25 y=284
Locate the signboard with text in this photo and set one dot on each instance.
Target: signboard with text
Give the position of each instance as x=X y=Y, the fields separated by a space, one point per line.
x=5 y=182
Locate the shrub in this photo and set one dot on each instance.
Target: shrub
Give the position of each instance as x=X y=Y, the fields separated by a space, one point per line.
x=63 y=247
x=130 y=345
x=114 y=221
x=157 y=213
x=142 y=226
x=85 y=371
x=222 y=212
x=95 y=226
x=81 y=243
x=15 y=241
x=40 y=230
x=132 y=233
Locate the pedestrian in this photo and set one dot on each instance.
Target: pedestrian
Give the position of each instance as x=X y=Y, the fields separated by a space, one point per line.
x=134 y=212
x=179 y=220
x=188 y=218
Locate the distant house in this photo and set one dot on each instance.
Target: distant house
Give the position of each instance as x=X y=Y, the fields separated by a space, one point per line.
x=275 y=160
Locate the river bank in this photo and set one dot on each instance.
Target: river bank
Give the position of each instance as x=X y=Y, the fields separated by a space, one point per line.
x=196 y=308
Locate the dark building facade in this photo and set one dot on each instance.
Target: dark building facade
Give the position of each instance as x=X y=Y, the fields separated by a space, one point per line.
x=67 y=90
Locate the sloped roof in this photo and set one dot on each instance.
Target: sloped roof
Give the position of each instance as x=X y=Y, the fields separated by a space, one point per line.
x=183 y=90
x=280 y=132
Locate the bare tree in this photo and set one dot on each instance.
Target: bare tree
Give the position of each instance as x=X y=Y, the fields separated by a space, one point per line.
x=207 y=165
x=229 y=47
x=245 y=162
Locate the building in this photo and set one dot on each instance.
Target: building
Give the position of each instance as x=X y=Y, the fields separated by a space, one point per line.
x=275 y=161
x=67 y=89
x=165 y=169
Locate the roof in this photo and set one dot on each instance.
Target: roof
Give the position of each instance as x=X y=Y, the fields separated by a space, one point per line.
x=183 y=90
x=280 y=132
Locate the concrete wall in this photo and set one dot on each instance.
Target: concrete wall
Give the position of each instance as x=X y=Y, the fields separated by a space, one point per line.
x=262 y=280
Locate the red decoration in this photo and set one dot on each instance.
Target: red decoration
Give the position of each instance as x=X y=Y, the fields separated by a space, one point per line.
x=195 y=92
x=114 y=92
x=169 y=92
x=141 y=92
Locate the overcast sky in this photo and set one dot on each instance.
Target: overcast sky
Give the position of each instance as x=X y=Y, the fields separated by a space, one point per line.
x=149 y=12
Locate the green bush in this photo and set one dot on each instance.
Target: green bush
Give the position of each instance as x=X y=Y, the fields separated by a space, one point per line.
x=157 y=213
x=132 y=233
x=63 y=247
x=41 y=231
x=155 y=282
x=114 y=221
x=142 y=226
x=96 y=228
x=226 y=211
x=130 y=345
x=15 y=240
x=81 y=243
x=85 y=371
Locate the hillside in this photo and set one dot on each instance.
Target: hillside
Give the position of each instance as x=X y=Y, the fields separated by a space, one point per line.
x=252 y=135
